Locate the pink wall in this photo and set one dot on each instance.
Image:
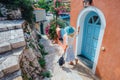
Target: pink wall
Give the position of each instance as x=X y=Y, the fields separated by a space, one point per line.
x=108 y=67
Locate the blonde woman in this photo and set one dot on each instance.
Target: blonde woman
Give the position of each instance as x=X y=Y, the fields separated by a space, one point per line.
x=69 y=49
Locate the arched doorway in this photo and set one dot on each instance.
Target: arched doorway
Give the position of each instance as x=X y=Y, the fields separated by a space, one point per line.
x=92 y=23
x=91 y=32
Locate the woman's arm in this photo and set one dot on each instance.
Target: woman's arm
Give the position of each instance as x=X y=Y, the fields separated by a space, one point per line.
x=65 y=48
x=76 y=32
x=65 y=41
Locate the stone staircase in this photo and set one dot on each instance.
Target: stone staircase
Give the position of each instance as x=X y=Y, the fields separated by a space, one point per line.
x=12 y=44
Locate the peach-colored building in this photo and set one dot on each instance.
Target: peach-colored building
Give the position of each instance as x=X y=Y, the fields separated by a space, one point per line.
x=99 y=37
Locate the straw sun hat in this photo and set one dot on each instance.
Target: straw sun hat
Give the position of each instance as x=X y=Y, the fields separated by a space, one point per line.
x=69 y=30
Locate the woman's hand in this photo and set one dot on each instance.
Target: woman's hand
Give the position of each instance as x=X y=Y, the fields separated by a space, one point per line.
x=78 y=29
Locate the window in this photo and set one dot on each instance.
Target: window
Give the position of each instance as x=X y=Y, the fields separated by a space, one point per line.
x=94 y=20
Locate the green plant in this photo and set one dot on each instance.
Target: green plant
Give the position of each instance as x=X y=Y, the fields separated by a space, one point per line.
x=43 y=52
x=41 y=46
x=44 y=4
x=28 y=32
x=52 y=30
x=31 y=45
x=1 y=14
x=56 y=9
x=61 y=23
x=27 y=9
x=42 y=62
x=30 y=63
x=46 y=74
x=30 y=79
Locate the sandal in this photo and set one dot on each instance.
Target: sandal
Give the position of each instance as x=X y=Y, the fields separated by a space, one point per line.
x=76 y=61
x=71 y=63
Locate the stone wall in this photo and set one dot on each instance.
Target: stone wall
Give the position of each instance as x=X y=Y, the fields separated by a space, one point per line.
x=29 y=62
x=12 y=44
x=9 y=14
x=15 y=58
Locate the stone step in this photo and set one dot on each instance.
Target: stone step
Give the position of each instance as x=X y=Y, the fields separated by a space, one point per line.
x=10 y=24
x=11 y=39
x=5 y=46
x=9 y=61
x=13 y=76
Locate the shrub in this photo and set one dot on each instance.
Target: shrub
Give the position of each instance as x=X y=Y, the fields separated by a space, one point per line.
x=61 y=23
x=31 y=45
x=45 y=4
x=41 y=46
x=46 y=74
x=52 y=30
x=43 y=52
x=30 y=63
x=30 y=79
x=42 y=62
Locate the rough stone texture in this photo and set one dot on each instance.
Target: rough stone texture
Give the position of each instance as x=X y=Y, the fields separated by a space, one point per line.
x=30 y=64
x=10 y=13
x=12 y=76
x=13 y=53
x=5 y=46
x=1 y=74
x=11 y=24
x=9 y=62
x=18 y=51
x=67 y=72
x=18 y=78
x=3 y=29
x=46 y=79
x=18 y=43
x=10 y=36
x=29 y=61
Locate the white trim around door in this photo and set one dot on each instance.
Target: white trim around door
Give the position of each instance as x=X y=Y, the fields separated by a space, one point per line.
x=80 y=22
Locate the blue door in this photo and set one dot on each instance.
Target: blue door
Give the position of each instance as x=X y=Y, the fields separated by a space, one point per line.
x=90 y=35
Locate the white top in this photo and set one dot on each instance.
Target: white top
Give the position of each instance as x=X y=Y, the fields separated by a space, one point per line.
x=70 y=40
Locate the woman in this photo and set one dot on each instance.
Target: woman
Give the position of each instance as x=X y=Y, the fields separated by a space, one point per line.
x=69 y=51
